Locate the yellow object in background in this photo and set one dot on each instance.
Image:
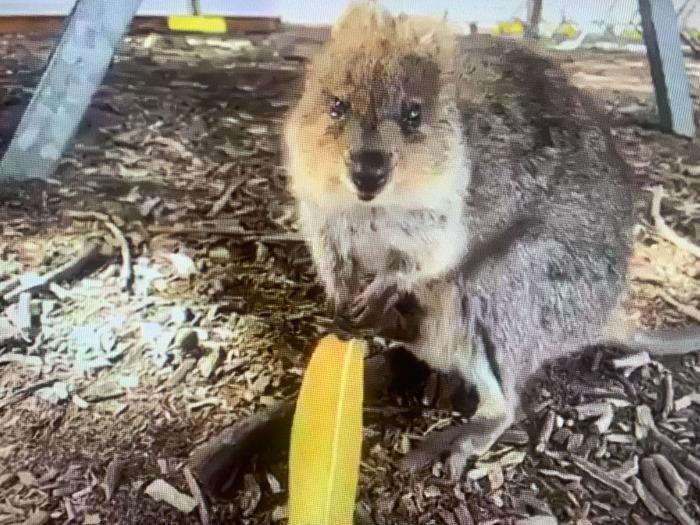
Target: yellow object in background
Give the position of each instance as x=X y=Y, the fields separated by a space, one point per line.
x=567 y=30
x=326 y=439
x=197 y=24
x=631 y=33
x=510 y=28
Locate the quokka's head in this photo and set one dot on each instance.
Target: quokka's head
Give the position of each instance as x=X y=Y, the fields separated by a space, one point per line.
x=377 y=122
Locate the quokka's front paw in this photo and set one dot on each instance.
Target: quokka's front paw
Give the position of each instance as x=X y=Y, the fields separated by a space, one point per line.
x=402 y=322
x=366 y=308
x=373 y=303
x=383 y=310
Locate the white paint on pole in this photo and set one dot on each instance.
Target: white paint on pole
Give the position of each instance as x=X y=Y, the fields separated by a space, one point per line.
x=73 y=74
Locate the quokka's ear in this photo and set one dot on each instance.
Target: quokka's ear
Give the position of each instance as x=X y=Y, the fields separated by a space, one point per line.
x=436 y=39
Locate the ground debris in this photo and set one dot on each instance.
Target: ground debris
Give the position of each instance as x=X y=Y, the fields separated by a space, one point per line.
x=538 y=520
x=38 y=517
x=180 y=153
x=593 y=470
x=198 y=496
x=92 y=252
x=632 y=362
x=160 y=490
x=126 y=273
x=652 y=479
x=666 y=231
x=546 y=430
x=113 y=477
x=650 y=502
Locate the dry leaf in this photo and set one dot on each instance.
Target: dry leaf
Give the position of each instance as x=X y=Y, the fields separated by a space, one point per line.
x=326 y=438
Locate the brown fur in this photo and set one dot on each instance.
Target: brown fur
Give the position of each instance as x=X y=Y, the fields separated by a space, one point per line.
x=374 y=62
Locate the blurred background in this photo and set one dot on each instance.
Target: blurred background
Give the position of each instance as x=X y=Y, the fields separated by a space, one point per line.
x=586 y=15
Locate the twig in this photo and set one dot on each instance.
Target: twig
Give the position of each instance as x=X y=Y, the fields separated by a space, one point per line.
x=24 y=392
x=8 y=285
x=692 y=43
x=645 y=420
x=566 y=476
x=689 y=460
x=650 y=502
x=221 y=202
x=291 y=237
x=666 y=231
x=686 y=309
x=91 y=252
x=514 y=436
x=589 y=410
x=198 y=496
x=692 y=477
x=603 y=411
x=126 y=274
x=24 y=312
x=668 y=396
x=574 y=442
x=213 y=462
x=387 y=412
x=687 y=400
x=185 y=367
x=602 y=424
x=632 y=362
x=112 y=477
x=652 y=479
x=675 y=482
x=593 y=470
x=628 y=469
x=546 y=431
x=235 y=231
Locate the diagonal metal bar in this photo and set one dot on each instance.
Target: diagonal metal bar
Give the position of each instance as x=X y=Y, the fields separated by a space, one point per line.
x=663 y=43
x=74 y=72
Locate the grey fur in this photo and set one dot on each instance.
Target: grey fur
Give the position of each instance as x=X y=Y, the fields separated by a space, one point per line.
x=547 y=220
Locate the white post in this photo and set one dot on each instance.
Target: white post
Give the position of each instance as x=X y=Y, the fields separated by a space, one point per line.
x=74 y=72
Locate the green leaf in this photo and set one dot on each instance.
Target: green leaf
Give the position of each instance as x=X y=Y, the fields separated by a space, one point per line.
x=326 y=440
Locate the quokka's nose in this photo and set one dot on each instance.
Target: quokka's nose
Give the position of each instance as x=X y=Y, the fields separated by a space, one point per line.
x=370 y=171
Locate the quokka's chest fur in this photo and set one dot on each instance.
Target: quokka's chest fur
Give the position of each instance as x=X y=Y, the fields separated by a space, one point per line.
x=414 y=244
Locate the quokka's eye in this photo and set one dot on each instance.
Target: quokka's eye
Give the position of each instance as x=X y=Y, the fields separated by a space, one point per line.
x=338 y=108
x=411 y=115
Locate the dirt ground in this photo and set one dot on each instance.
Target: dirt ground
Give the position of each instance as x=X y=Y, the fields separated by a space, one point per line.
x=187 y=303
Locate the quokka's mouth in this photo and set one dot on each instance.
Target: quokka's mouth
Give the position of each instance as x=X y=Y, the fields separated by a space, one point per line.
x=366 y=197
x=368 y=188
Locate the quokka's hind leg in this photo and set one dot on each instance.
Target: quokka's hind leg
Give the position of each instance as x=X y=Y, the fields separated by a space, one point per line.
x=474 y=438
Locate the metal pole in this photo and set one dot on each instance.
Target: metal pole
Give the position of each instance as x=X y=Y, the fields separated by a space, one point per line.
x=663 y=42
x=74 y=72
x=534 y=14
